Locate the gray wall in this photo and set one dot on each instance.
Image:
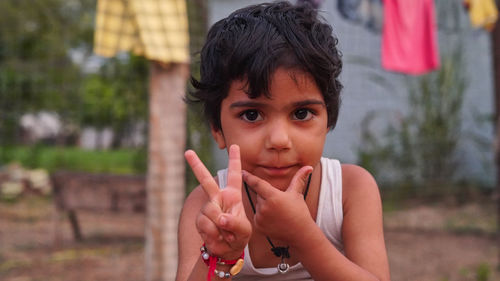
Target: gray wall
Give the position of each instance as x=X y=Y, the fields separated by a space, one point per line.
x=362 y=95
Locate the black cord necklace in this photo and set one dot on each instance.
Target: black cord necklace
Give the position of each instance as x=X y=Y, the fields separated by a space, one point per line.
x=278 y=251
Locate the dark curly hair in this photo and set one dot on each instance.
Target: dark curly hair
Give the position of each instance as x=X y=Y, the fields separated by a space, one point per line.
x=253 y=42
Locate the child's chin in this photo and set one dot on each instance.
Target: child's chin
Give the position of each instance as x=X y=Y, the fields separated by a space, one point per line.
x=281 y=184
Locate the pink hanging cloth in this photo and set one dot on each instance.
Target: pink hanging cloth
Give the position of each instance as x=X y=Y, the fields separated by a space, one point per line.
x=409 y=37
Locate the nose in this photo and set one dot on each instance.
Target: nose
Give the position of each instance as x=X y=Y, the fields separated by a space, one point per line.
x=278 y=137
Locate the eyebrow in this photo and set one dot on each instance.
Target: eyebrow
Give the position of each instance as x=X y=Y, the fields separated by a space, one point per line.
x=309 y=102
x=259 y=104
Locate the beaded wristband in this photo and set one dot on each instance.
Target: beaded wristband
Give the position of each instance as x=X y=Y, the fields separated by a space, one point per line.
x=212 y=261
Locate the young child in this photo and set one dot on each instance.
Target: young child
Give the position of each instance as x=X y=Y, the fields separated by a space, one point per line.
x=280 y=211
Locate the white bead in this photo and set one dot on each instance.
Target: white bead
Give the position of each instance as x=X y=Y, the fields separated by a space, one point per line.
x=221 y=274
x=205 y=256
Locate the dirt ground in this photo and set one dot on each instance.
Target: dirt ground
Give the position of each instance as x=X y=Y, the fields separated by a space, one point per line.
x=424 y=242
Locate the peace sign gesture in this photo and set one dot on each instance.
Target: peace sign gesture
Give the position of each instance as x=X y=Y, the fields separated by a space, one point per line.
x=222 y=222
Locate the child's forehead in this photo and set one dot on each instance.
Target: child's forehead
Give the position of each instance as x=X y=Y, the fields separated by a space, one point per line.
x=281 y=82
x=279 y=78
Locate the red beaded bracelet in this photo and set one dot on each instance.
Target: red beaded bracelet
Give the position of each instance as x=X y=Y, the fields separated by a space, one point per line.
x=212 y=261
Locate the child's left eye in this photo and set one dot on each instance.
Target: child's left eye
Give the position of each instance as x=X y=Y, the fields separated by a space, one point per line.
x=302 y=114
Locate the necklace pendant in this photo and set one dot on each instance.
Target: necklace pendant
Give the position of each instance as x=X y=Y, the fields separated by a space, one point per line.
x=283 y=267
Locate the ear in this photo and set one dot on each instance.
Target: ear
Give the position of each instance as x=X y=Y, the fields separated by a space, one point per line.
x=218 y=137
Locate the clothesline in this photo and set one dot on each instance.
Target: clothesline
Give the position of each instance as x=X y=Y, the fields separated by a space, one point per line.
x=409 y=29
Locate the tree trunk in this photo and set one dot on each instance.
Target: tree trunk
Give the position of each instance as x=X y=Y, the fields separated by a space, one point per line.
x=165 y=177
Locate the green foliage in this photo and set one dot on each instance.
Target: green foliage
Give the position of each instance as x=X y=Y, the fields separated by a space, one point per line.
x=437 y=103
x=36 y=69
x=116 y=96
x=44 y=46
x=200 y=140
x=483 y=272
x=420 y=149
x=70 y=158
x=198 y=133
x=199 y=137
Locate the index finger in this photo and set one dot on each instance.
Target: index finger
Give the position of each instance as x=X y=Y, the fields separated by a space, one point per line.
x=260 y=186
x=202 y=174
x=234 y=167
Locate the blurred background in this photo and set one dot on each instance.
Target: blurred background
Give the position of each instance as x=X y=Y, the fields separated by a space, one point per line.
x=75 y=135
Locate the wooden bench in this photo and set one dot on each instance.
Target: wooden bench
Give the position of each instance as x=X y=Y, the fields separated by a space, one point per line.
x=75 y=191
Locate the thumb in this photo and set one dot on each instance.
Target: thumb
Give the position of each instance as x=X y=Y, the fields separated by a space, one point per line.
x=300 y=180
x=235 y=224
x=235 y=229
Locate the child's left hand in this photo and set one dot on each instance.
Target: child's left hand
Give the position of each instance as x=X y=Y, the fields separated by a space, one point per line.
x=276 y=210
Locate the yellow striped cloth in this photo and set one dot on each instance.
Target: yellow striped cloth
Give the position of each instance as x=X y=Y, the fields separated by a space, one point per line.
x=157 y=29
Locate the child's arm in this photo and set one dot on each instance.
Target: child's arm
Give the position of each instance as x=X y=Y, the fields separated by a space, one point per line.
x=362 y=230
x=189 y=240
x=212 y=216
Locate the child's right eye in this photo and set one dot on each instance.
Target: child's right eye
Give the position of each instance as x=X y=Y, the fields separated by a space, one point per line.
x=251 y=115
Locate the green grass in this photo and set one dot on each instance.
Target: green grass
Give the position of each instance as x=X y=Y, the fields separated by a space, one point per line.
x=76 y=159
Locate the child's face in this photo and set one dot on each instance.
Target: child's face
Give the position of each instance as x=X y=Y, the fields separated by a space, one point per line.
x=277 y=136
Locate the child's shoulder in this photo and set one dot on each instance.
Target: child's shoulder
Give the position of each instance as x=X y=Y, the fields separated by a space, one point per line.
x=196 y=198
x=358 y=183
x=356 y=174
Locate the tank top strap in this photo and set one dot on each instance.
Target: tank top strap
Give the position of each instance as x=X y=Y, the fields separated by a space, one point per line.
x=222 y=178
x=330 y=212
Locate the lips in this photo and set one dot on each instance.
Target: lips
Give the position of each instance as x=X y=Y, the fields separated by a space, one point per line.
x=278 y=170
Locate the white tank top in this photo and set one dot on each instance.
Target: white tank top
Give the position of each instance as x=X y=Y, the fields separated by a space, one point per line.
x=329 y=219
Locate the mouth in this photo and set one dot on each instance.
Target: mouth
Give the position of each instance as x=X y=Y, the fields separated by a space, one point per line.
x=278 y=170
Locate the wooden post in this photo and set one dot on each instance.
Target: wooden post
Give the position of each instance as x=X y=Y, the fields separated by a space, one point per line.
x=165 y=177
x=75 y=227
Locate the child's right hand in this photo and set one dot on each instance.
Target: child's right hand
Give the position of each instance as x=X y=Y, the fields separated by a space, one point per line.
x=222 y=222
